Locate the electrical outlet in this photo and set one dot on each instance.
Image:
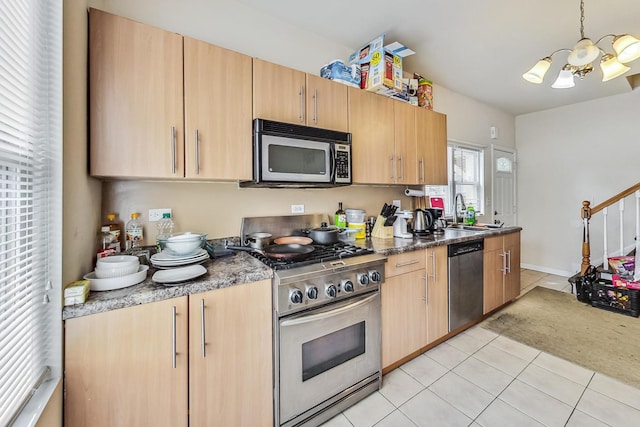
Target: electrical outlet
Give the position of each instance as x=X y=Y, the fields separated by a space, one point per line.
x=156 y=214
x=397 y=203
x=297 y=208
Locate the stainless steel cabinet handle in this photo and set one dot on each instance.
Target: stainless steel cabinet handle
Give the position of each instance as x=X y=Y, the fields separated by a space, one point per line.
x=202 y=335
x=301 y=94
x=401 y=177
x=404 y=264
x=173 y=149
x=173 y=340
x=508 y=268
x=393 y=167
x=433 y=265
x=197 y=153
x=315 y=106
x=426 y=288
x=504 y=262
x=421 y=170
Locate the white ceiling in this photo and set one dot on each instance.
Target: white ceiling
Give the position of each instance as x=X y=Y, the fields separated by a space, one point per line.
x=477 y=48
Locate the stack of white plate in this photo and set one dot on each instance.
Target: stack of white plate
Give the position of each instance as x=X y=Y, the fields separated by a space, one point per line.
x=166 y=260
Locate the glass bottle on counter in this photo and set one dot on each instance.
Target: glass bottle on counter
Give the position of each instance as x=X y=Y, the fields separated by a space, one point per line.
x=340 y=217
x=165 y=228
x=106 y=244
x=133 y=231
x=116 y=231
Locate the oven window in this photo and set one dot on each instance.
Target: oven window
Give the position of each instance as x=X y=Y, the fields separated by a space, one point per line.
x=298 y=160
x=332 y=349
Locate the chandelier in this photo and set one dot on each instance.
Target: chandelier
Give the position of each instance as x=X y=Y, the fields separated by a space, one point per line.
x=584 y=53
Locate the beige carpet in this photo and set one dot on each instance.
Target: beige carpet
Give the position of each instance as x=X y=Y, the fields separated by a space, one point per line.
x=557 y=323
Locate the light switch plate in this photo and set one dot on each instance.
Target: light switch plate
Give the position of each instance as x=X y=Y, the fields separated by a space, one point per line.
x=156 y=214
x=297 y=208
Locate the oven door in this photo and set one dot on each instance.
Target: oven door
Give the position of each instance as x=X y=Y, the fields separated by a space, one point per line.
x=325 y=351
x=284 y=159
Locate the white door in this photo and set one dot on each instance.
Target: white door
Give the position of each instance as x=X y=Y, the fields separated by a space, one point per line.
x=503 y=184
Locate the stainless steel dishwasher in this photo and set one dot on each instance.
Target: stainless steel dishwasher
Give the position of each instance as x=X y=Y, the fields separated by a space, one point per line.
x=465 y=282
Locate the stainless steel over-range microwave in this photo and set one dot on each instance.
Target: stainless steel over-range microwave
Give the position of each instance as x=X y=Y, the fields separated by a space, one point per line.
x=288 y=155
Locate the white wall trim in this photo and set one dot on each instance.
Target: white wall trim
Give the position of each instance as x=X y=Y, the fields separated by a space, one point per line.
x=562 y=273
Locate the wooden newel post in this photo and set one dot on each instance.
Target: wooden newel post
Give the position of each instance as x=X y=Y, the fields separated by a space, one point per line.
x=585 y=212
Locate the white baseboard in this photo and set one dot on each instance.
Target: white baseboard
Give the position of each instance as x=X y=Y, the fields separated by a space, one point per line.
x=547 y=270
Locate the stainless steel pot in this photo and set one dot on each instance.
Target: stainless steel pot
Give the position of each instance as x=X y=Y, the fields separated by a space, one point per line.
x=258 y=240
x=325 y=234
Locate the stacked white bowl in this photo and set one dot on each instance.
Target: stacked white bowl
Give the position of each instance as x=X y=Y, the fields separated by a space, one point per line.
x=116 y=266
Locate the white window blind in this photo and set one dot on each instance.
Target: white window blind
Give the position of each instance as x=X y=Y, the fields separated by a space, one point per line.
x=30 y=199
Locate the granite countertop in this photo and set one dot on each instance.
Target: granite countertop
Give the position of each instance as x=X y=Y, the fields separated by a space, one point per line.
x=241 y=268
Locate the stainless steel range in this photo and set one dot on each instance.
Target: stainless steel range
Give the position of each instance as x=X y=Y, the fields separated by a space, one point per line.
x=327 y=353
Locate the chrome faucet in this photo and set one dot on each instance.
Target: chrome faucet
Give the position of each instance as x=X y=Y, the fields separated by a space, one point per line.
x=455 y=207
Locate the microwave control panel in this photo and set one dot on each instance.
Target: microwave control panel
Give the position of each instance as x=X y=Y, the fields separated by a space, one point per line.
x=343 y=163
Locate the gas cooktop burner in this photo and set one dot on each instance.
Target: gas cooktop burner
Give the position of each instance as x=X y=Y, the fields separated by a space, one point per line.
x=321 y=253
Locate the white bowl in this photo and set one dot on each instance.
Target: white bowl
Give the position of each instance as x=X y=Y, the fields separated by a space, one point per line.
x=116 y=261
x=107 y=272
x=183 y=244
x=97 y=284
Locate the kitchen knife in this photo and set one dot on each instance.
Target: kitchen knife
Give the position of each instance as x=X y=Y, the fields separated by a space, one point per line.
x=384 y=209
x=390 y=220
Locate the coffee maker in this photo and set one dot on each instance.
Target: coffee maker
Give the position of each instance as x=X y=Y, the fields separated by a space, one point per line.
x=436 y=226
x=400 y=225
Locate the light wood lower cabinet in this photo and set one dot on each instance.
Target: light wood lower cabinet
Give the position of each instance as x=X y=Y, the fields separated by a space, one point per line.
x=121 y=368
x=414 y=302
x=230 y=378
x=501 y=270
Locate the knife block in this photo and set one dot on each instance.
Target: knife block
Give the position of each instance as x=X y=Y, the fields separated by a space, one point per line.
x=380 y=231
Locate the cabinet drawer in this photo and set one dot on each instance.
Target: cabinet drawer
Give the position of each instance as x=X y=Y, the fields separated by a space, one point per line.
x=405 y=263
x=492 y=243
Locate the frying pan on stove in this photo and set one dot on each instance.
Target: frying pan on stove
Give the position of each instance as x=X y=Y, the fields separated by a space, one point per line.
x=281 y=252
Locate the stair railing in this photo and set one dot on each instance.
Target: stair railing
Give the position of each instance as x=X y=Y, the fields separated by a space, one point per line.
x=587 y=211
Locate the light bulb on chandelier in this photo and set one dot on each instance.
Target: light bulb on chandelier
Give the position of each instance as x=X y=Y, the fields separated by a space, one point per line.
x=584 y=53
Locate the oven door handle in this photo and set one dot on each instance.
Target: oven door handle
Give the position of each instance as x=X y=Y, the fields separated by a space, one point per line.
x=306 y=318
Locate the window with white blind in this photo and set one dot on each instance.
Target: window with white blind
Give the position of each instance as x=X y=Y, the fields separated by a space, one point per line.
x=30 y=205
x=466 y=176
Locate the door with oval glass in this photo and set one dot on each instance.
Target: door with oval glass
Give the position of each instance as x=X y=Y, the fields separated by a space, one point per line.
x=503 y=185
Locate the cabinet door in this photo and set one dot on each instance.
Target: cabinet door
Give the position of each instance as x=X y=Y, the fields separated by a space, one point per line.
x=406 y=169
x=437 y=293
x=431 y=147
x=121 y=369
x=217 y=112
x=371 y=123
x=135 y=99
x=230 y=375
x=493 y=292
x=278 y=93
x=512 y=277
x=404 y=316
x=326 y=104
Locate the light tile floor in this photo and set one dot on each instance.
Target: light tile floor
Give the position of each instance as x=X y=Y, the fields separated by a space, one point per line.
x=479 y=378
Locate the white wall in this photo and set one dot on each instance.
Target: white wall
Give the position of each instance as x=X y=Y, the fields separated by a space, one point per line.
x=588 y=151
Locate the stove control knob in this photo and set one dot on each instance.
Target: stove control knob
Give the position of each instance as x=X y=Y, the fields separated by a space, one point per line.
x=295 y=296
x=312 y=292
x=375 y=276
x=347 y=285
x=363 y=279
x=331 y=290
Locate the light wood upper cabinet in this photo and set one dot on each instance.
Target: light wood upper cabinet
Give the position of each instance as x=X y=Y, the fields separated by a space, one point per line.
x=437 y=293
x=217 y=100
x=136 y=99
x=291 y=96
x=230 y=378
x=371 y=122
x=119 y=367
x=431 y=151
x=501 y=270
x=405 y=143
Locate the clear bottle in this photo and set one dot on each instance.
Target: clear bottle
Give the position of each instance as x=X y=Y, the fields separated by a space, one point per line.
x=105 y=242
x=116 y=231
x=340 y=219
x=165 y=228
x=133 y=231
